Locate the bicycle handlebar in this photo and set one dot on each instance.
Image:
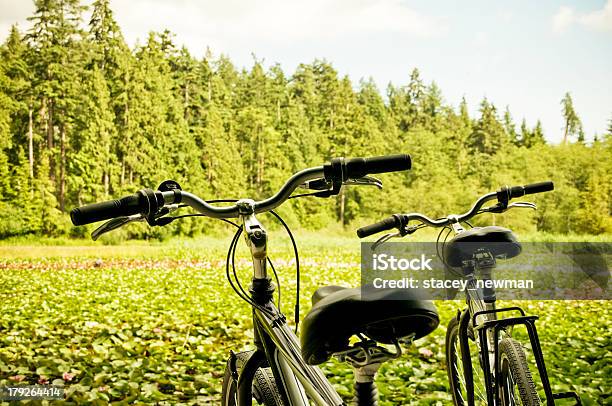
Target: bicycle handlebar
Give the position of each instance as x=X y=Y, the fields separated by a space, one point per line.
x=402 y=220
x=148 y=202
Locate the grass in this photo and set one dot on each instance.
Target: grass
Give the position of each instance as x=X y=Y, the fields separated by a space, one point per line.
x=153 y=322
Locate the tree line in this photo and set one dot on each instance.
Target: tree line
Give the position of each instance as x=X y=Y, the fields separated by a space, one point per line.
x=84 y=118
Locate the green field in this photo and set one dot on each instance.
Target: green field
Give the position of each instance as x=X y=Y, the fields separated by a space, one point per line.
x=154 y=323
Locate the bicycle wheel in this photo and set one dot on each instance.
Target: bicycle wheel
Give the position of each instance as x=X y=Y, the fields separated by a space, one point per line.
x=517 y=383
x=455 y=371
x=265 y=391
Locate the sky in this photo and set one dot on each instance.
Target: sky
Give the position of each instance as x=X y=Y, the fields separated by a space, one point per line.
x=522 y=54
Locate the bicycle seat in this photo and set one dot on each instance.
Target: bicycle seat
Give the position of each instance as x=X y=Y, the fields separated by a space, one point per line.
x=383 y=315
x=501 y=242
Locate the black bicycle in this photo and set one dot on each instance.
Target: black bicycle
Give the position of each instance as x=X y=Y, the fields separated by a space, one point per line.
x=471 y=255
x=279 y=371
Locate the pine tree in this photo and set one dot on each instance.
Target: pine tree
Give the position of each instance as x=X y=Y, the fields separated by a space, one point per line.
x=6 y=108
x=220 y=157
x=109 y=65
x=581 y=137
x=488 y=135
x=187 y=88
x=464 y=127
x=92 y=158
x=537 y=137
x=370 y=98
x=55 y=38
x=525 y=135
x=17 y=87
x=573 y=125
x=509 y=127
x=109 y=47
x=398 y=107
x=431 y=108
x=415 y=93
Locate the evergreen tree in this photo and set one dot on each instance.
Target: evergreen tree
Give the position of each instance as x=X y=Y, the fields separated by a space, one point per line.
x=431 y=108
x=537 y=137
x=463 y=126
x=573 y=125
x=220 y=157
x=464 y=114
x=488 y=135
x=58 y=57
x=581 y=137
x=415 y=94
x=6 y=107
x=109 y=47
x=16 y=85
x=509 y=126
x=93 y=159
x=525 y=135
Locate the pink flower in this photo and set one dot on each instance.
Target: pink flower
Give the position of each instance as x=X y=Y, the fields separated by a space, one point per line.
x=17 y=378
x=157 y=330
x=102 y=388
x=67 y=376
x=43 y=380
x=426 y=352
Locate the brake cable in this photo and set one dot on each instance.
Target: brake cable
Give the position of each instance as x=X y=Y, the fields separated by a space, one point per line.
x=303 y=195
x=297 y=270
x=241 y=293
x=237 y=287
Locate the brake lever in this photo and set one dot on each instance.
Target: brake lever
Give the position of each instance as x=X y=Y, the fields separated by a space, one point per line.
x=114 y=224
x=502 y=208
x=117 y=222
x=401 y=232
x=523 y=205
x=364 y=181
x=384 y=239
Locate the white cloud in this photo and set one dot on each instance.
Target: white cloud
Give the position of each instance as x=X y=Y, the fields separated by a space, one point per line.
x=217 y=23
x=597 y=20
x=563 y=19
x=239 y=24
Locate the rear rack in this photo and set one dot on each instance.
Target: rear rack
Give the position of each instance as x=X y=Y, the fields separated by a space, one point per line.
x=498 y=325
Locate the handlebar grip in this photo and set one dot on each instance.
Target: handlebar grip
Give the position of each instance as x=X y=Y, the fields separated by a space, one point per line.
x=383 y=225
x=518 y=191
x=343 y=169
x=539 y=187
x=126 y=206
x=359 y=167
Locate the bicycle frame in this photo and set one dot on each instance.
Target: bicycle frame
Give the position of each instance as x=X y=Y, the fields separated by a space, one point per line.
x=276 y=344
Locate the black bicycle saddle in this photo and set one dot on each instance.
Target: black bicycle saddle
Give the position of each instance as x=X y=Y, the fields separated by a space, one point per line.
x=500 y=242
x=383 y=315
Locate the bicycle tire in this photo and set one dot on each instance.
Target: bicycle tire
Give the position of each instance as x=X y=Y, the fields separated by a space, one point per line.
x=452 y=358
x=515 y=373
x=265 y=391
x=454 y=368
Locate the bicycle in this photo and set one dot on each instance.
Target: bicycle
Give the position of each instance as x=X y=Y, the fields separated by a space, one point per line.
x=280 y=370
x=472 y=253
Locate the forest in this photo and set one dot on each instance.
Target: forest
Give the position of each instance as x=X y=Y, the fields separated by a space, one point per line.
x=86 y=118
